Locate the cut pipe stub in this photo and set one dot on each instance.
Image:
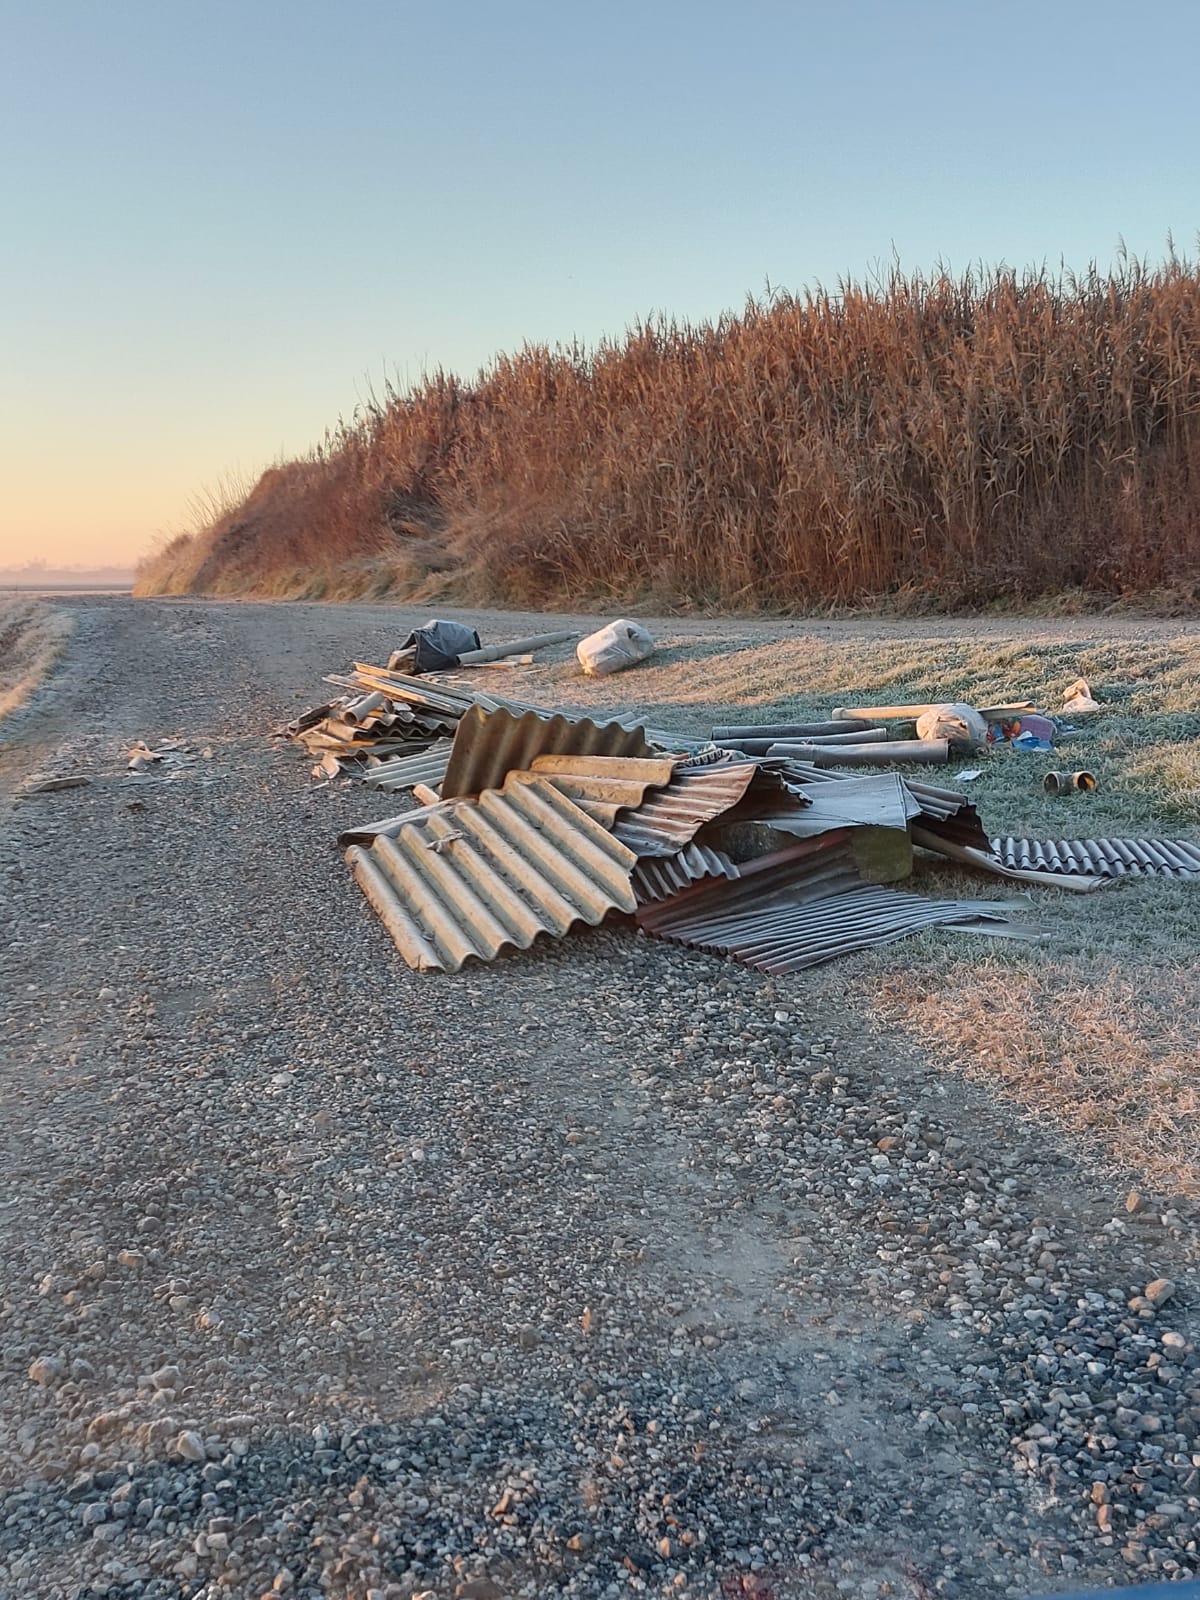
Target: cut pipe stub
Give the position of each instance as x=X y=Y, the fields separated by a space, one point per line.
x=1068 y=782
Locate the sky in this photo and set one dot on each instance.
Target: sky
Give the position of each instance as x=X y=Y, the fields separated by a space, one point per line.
x=223 y=221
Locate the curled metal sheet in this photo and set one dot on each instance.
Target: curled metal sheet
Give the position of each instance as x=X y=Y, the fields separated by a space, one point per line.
x=1101 y=858
x=813 y=867
x=789 y=938
x=490 y=744
x=659 y=877
x=468 y=878
x=804 y=906
x=670 y=819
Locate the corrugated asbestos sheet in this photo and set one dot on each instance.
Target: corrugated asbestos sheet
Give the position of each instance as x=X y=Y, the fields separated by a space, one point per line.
x=604 y=785
x=490 y=744
x=796 y=910
x=470 y=878
x=658 y=877
x=428 y=766
x=667 y=821
x=1102 y=858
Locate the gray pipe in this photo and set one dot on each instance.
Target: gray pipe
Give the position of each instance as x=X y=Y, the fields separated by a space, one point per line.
x=930 y=752
x=772 y=732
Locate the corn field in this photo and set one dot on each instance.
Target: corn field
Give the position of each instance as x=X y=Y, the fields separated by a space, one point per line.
x=942 y=441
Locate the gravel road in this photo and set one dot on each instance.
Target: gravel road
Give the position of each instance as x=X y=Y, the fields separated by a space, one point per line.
x=608 y=1269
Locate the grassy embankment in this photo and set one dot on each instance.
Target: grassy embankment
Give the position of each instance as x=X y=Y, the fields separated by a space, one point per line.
x=31 y=638
x=924 y=443
x=1097 y=1029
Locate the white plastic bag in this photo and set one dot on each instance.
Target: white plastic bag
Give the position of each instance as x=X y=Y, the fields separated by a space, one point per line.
x=959 y=723
x=621 y=644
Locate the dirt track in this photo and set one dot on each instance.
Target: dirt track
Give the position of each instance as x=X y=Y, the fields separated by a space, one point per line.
x=585 y=1272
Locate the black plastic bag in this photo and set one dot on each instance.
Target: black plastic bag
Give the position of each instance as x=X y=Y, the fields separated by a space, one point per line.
x=439 y=645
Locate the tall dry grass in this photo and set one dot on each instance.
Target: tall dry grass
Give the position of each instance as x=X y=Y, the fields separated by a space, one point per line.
x=948 y=441
x=32 y=636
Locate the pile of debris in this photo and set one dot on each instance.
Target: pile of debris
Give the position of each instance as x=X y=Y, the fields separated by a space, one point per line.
x=385 y=714
x=530 y=821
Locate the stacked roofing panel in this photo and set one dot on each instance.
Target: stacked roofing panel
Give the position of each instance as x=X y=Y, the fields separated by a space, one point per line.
x=490 y=744
x=468 y=878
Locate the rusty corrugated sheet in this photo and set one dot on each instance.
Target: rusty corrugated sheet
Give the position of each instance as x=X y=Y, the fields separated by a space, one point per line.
x=670 y=819
x=1101 y=858
x=813 y=866
x=660 y=877
x=802 y=907
x=427 y=766
x=468 y=878
x=490 y=744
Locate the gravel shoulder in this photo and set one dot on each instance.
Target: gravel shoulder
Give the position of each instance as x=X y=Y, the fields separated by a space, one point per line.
x=605 y=1269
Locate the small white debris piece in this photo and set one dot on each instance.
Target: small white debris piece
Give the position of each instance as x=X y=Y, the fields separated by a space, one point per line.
x=439 y=845
x=1078 y=698
x=968 y=775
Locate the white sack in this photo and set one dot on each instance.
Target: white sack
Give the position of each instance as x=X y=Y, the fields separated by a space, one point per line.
x=959 y=723
x=620 y=644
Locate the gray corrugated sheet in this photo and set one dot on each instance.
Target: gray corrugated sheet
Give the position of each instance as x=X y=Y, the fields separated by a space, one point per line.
x=490 y=745
x=428 y=766
x=1102 y=858
x=938 y=803
x=670 y=819
x=604 y=785
x=660 y=877
x=793 y=910
x=934 y=802
x=468 y=878
x=879 y=801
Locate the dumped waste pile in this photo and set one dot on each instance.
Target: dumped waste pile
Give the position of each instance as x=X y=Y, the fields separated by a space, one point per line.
x=748 y=843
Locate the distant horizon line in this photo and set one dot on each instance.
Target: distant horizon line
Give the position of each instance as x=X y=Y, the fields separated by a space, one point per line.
x=24 y=569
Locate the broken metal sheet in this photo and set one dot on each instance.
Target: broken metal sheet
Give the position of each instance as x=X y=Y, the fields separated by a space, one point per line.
x=878 y=801
x=812 y=868
x=934 y=802
x=468 y=878
x=659 y=877
x=405 y=772
x=790 y=938
x=802 y=907
x=1101 y=858
x=667 y=821
x=490 y=744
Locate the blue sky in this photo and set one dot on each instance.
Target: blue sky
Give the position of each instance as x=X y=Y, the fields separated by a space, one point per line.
x=221 y=221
